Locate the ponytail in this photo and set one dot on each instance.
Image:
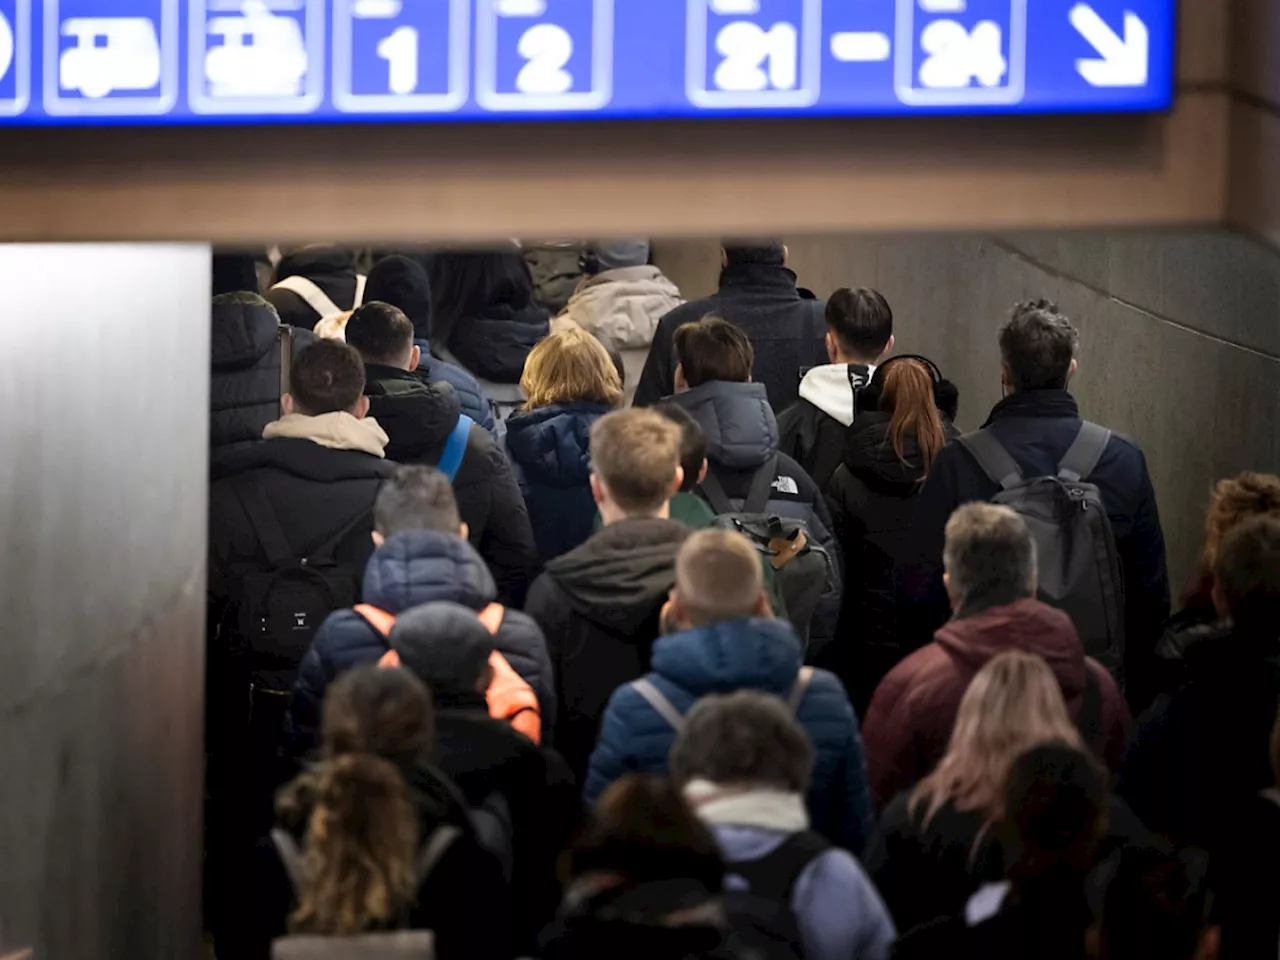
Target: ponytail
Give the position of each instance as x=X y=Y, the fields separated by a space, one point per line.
x=361 y=840
x=908 y=396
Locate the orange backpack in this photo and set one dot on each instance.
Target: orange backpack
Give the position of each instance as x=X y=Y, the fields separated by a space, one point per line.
x=510 y=699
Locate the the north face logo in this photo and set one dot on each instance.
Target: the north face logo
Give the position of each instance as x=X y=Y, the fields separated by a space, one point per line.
x=787 y=485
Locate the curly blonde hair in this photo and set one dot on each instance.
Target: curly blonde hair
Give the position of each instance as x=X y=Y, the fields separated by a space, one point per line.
x=567 y=367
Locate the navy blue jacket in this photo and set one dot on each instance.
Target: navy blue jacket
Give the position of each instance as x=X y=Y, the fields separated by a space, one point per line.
x=551 y=450
x=1037 y=427
x=407 y=571
x=753 y=654
x=474 y=403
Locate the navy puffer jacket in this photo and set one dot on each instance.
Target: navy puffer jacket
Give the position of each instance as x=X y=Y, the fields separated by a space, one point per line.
x=407 y=571
x=551 y=449
x=755 y=654
x=245 y=386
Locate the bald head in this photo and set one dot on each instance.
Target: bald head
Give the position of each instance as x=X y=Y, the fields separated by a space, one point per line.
x=718 y=578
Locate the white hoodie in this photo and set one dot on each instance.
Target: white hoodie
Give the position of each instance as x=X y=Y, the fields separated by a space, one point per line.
x=833 y=388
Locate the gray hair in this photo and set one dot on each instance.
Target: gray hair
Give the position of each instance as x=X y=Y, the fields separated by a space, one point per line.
x=746 y=738
x=990 y=555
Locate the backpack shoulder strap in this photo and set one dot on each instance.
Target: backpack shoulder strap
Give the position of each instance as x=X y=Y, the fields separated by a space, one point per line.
x=1091 y=707
x=290 y=858
x=284 y=339
x=361 y=282
x=379 y=619
x=761 y=484
x=714 y=490
x=455 y=447
x=993 y=458
x=263 y=519
x=315 y=298
x=774 y=876
x=328 y=548
x=433 y=851
x=1085 y=452
x=492 y=616
x=666 y=709
x=803 y=679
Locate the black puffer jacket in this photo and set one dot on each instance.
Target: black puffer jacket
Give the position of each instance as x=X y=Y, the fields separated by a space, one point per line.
x=599 y=607
x=245 y=386
x=332 y=269
x=872 y=496
x=418 y=417
x=493 y=344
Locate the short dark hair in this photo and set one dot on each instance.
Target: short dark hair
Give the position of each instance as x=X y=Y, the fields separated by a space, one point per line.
x=713 y=349
x=381 y=333
x=693 y=442
x=746 y=739
x=861 y=320
x=1055 y=801
x=416 y=498
x=1038 y=344
x=1157 y=906
x=764 y=251
x=326 y=377
x=1247 y=572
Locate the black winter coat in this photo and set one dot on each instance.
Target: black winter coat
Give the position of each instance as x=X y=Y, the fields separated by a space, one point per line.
x=245 y=386
x=486 y=757
x=742 y=435
x=872 y=495
x=331 y=269
x=494 y=345
x=418 y=417
x=1037 y=427
x=1197 y=757
x=599 y=607
x=787 y=330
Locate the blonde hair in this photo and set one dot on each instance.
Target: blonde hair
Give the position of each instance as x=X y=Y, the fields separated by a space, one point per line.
x=718 y=577
x=636 y=454
x=1012 y=705
x=568 y=366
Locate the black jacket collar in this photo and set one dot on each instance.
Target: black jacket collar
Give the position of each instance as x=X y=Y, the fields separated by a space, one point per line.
x=757 y=276
x=1035 y=403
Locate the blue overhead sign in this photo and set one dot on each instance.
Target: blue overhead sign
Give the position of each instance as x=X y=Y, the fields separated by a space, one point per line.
x=193 y=61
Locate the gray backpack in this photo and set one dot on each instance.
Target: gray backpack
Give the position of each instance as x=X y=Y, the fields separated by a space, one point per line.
x=1079 y=566
x=804 y=571
x=402 y=944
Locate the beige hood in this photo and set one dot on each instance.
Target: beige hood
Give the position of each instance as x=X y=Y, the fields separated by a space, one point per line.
x=337 y=431
x=624 y=305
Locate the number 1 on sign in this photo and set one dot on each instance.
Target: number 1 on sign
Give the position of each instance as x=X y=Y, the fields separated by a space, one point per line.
x=400 y=50
x=747 y=47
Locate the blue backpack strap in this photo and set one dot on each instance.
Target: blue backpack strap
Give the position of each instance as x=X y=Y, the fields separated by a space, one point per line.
x=455 y=447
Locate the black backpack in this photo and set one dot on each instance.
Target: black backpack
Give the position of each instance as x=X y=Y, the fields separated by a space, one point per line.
x=804 y=570
x=1079 y=566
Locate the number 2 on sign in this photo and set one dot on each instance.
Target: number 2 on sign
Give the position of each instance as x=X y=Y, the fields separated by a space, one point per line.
x=548 y=49
x=747 y=47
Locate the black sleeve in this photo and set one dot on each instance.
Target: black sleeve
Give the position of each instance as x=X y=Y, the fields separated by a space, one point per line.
x=507 y=542
x=1142 y=557
x=549 y=610
x=657 y=380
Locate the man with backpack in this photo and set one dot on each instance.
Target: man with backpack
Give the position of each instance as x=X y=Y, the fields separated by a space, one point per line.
x=744 y=765
x=423 y=556
x=425 y=425
x=721 y=638
x=752 y=486
x=1085 y=491
x=509 y=781
x=990 y=559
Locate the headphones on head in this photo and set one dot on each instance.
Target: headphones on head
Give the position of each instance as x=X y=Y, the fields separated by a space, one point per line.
x=869 y=396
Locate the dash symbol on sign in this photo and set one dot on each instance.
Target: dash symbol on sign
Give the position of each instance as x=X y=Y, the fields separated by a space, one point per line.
x=520 y=8
x=377 y=9
x=861 y=47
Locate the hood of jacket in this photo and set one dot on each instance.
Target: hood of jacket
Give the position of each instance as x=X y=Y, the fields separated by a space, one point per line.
x=416 y=415
x=869 y=455
x=337 y=431
x=759 y=653
x=419 y=567
x=243 y=333
x=624 y=305
x=618 y=576
x=1026 y=624
x=316 y=262
x=552 y=445
x=737 y=421
x=833 y=388
x=300 y=458
x=495 y=344
x=403 y=283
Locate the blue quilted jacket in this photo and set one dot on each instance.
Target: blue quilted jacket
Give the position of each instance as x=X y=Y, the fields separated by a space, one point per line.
x=755 y=654
x=407 y=571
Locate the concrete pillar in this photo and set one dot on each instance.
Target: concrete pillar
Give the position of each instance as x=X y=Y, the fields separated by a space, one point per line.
x=103 y=428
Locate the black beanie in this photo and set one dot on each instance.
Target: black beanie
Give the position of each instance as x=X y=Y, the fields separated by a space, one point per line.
x=403 y=283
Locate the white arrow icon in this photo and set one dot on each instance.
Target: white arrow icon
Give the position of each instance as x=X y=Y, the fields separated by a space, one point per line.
x=1123 y=62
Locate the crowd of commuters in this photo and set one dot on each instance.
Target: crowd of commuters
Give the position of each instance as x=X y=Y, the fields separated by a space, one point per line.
x=552 y=616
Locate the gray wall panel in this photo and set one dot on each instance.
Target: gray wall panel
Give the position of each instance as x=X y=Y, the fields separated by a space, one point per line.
x=103 y=423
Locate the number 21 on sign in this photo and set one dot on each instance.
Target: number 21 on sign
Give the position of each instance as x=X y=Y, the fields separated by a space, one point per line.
x=754 y=53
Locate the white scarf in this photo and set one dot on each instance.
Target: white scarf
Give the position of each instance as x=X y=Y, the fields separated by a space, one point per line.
x=718 y=805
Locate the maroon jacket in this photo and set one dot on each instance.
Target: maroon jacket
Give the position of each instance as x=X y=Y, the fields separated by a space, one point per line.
x=908 y=724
